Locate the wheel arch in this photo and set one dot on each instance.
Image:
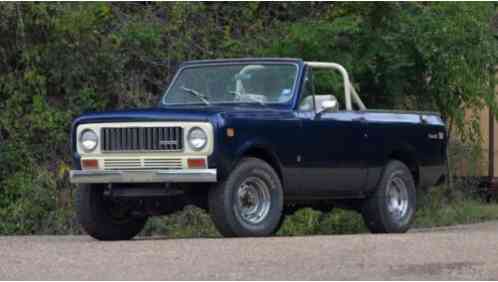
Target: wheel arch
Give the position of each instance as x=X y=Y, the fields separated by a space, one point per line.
x=407 y=155
x=263 y=152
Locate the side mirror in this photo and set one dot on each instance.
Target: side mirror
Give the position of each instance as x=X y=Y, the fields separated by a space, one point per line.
x=327 y=105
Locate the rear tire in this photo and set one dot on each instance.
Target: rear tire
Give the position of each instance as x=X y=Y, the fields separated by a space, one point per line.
x=98 y=216
x=249 y=202
x=391 y=209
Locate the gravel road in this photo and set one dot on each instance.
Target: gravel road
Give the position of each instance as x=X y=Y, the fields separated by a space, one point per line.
x=463 y=252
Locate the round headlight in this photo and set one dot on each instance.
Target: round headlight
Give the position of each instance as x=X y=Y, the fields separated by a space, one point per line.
x=197 y=138
x=89 y=140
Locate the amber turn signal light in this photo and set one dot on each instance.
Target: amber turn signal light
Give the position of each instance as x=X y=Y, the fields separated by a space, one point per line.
x=196 y=163
x=89 y=164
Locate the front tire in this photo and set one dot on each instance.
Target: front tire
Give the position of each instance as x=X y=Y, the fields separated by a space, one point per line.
x=391 y=209
x=103 y=219
x=249 y=203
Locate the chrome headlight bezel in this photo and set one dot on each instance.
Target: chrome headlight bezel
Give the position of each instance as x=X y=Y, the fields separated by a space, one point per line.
x=199 y=141
x=91 y=136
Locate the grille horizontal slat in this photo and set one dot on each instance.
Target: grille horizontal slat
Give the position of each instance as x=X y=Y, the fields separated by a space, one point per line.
x=131 y=164
x=128 y=139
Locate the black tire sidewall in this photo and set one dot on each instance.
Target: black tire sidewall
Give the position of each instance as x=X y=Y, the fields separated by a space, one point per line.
x=228 y=220
x=272 y=217
x=94 y=216
x=402 y=225
x=375 y=208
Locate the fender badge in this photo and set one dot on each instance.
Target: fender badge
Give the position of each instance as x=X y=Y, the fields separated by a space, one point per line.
x=436 y=136
x=433 y=136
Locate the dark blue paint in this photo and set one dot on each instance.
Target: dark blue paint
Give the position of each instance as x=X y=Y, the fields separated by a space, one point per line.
x=341 y=154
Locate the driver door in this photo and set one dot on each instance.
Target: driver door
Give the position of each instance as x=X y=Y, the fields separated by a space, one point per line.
x=332 y=162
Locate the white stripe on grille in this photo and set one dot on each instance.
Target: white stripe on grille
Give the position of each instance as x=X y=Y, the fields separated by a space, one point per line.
x=142 y=163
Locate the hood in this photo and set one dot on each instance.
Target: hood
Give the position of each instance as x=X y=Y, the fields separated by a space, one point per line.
x=152 y=114
x=175 y=113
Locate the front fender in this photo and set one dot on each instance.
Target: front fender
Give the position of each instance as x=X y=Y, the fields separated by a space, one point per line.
x=234 y=151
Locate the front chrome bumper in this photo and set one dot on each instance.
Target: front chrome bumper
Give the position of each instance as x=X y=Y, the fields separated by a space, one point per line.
x=143 y=176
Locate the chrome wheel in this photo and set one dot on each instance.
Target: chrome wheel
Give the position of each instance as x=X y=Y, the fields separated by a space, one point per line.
x=253 y=200
x=397 y=198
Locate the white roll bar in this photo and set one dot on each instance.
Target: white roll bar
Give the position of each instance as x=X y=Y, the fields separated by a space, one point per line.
x=349 y=90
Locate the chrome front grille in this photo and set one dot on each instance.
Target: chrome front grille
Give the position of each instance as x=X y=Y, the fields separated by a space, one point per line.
x=129 y=139
x=162 y=163
x=142 y=163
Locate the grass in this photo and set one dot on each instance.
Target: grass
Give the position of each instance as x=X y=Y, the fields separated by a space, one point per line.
x=434 y=209
x=459 y=212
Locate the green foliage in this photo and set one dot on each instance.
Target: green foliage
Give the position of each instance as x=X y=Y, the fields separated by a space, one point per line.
x=30 y=205
x=303 y=222
x=191 y=222
x=459 y=58
x=310 y=222
x=435 y=209
x=58 y=60
x=432 y=56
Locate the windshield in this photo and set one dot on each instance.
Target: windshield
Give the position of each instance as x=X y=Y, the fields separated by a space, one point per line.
x=233 y=83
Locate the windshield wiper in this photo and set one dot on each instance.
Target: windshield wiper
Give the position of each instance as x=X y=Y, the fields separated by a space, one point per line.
x=196 y=94
x=239 y=95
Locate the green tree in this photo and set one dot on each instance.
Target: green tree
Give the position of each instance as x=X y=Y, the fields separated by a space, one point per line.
x=431 y=56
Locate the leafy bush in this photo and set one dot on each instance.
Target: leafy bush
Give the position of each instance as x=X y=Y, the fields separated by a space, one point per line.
x=190 y=222
x=310 y=222
x=30 y=204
